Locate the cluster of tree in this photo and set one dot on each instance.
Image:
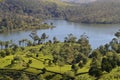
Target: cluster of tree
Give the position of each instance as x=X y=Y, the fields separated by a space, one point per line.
x=108 y=13
x=72 y=51
x=17 y=75
x=22 y=15
x=106 y=57
x=12 y=22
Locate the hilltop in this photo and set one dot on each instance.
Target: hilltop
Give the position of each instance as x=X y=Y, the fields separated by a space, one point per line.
x=79 y=1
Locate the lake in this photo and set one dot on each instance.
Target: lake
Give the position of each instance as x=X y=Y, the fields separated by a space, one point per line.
x=99 y=34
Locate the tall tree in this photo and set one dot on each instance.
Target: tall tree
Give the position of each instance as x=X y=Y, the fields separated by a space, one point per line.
x=44 y=37
x=117 y=34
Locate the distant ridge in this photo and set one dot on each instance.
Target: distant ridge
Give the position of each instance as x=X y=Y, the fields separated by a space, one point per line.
x=79 y=1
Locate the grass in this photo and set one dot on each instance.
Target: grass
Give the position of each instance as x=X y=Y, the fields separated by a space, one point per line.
x=59 y=69
x=113 y=75
x=38 y=62
x=5 y=61
x=53 y=71
x=85 y=68
x=39 y=65
x=33 y=70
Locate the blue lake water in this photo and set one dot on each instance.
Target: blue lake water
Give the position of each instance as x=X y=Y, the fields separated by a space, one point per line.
x=99 y=34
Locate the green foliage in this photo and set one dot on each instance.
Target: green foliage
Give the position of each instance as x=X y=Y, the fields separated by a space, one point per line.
x=74 y=68
x=88 y=13
x=68 y=75
x=85 y=77
x=62 y=61
x=106 y=66
x=70 y=38
x=23 y=77
x=95 y=72
x=6 y=78
x=95 y=69
x=109 y=62
x=22 y=15
x=2 y=54
x=113 y=75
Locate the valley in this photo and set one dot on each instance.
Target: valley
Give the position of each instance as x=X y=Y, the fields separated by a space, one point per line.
x=59 y=40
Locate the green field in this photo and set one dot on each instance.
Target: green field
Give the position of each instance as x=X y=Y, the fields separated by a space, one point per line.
x=38 y=63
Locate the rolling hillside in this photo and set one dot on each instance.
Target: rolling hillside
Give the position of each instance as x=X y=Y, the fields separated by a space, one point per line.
x=27 y=14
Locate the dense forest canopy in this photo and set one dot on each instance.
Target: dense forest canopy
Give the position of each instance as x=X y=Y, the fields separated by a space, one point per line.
x=21 y=14
x=97 y=12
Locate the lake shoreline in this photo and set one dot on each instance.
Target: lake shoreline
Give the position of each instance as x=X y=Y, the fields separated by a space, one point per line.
x=30 y=28
x=98 y=34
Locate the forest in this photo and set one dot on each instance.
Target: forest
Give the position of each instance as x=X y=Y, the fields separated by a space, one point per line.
x=73 y=59
x=22 y=15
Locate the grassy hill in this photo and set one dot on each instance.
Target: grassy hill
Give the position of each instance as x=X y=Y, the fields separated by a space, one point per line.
x=38 y=67
x=54 y=60
x=20 y=61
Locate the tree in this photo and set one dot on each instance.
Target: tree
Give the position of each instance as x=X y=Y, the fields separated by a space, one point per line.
x=83 y=40
x=71 y=38
x=34 y=36
x=2 y=44
x=95 y=68
x=2 y=53
x=44 y=37
x=6 y=78
x=30 y=61
x=39 y=41
x=103 y=50
x=94 y=71
x=55 y=40
x=43 y=70
x=74 y=68
x=49 y=63
x=24 y=42
x=40 y=77
x=117 y=34
x=81 y=57
x=14 y=47
x=29 y=43
x=106 y=65
x=115 y=46
x=69 y=75
x=7 y=43
x=24 y=77
x=81 y=64
x=96 y=54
